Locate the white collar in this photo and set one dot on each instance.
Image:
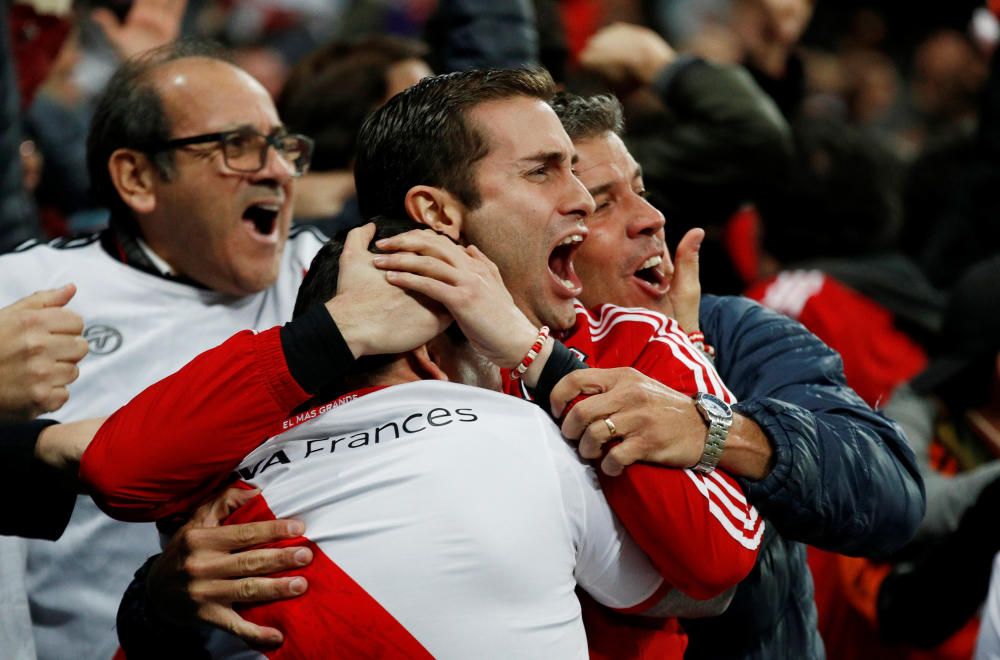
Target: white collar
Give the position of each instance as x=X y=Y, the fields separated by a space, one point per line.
x=158 y=262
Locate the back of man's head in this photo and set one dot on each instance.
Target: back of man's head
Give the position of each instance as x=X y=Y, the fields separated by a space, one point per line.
x=130 y=115
x=423 y=136
x=320 y=285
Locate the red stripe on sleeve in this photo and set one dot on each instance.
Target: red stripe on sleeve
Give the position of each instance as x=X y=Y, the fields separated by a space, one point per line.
x=673 y=522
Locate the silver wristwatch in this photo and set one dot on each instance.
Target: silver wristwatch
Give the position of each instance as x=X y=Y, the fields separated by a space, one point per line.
x=719 y=417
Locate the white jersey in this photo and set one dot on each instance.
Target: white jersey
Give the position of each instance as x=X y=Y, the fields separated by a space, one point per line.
x=446 y=520
x=141 y=328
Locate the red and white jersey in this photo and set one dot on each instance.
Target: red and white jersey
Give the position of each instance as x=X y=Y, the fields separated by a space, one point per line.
x=141 y=328
x=877 y=356
x=699 y=530
x=647 y=341
x=446 y=521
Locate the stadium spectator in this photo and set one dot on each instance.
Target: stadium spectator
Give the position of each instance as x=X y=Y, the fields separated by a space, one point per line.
x=948 y=78
x=718 y=143
x=847 y=187
x=624 y=261
x=950 y=221
x=830 y=236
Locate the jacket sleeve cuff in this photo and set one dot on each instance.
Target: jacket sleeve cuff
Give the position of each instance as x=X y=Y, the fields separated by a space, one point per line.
x=315 y=351
x=767 y=414
x=561 y=362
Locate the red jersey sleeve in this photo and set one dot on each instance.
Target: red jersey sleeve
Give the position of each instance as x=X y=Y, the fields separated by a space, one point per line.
x=216 y=409
x=699 y=531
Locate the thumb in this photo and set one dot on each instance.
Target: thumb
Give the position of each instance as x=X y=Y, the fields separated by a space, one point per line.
x=47 y=298
x=354 y=255
x=213 y=513
x=360 y=237
x=685 y=288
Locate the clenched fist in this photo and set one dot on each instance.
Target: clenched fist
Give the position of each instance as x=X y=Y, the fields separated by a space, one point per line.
x=40 y=344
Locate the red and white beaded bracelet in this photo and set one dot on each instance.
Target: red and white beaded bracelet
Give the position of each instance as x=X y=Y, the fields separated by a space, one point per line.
x=698 y=339
x=529 y=357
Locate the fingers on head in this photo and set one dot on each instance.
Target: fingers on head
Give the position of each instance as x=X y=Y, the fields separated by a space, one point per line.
x=212 y=513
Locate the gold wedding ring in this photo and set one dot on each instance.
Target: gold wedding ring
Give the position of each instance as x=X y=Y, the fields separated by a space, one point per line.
x=612 y=430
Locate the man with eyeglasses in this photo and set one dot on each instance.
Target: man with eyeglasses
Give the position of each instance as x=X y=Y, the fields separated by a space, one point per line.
x=188 y=153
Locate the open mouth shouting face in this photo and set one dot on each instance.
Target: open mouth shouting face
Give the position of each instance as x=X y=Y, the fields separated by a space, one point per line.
x=530 y=218
x=218 y=221
x=260 y=220
x=561 y=267
x=624 y=261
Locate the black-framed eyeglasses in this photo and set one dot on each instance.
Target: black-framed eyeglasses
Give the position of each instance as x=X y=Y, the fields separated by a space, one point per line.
x=245 y=150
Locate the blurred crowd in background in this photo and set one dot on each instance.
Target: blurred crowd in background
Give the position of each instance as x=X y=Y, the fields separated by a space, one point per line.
x=897 y=83
x=861 y=214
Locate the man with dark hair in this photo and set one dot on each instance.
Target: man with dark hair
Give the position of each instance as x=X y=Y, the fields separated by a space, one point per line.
x=191 y=156
x=130 y=114
x=789 y=384
x=523 y=185
x=443 y=144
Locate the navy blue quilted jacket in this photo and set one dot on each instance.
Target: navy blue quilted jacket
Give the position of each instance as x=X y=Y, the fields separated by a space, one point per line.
x=844 y=478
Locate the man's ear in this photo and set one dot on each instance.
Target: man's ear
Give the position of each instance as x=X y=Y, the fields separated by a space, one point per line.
x=424 y=365
x=436 y=208
x=133 y=174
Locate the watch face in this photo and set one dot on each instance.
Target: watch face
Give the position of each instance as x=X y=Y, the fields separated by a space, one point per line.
x=714 y=406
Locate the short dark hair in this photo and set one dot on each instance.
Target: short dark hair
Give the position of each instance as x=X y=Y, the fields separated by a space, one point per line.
x=590 y=116
x=423 y=136
x=320 y=285
x=130 y=115
x=320 y=282
x=330 y=92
